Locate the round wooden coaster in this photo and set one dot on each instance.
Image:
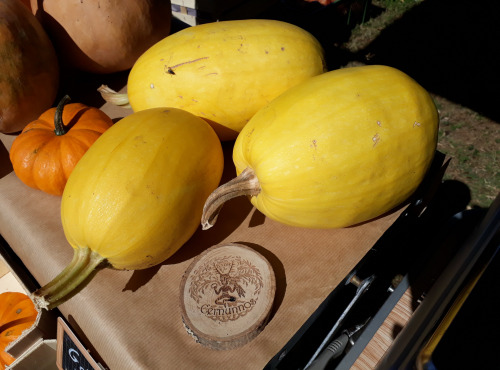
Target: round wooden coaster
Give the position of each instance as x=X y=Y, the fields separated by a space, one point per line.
x=226 y=296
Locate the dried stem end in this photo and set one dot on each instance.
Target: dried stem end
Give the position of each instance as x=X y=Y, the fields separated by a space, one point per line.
x=246 y=183
x=113 y=97
x=85 y=264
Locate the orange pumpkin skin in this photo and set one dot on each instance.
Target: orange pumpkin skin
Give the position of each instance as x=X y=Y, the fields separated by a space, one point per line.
x=103 y=36
x=44 y=160
x=17 y=313
x=29 y=77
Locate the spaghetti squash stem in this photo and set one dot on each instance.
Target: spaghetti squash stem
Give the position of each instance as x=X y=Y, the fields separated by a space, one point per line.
x=113 y=97
x=246 y=183
x=85 y=264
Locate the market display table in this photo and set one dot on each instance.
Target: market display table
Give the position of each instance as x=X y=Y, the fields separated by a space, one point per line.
x=132 y=319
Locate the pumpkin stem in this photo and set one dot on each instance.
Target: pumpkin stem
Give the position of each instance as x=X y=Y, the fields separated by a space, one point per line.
x=113 y=97
x=246 y=183
x=58 y=122
x=84 y=265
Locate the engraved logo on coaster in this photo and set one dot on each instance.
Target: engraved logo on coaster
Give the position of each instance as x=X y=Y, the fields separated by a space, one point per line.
x=226 y=296
x=226 y=287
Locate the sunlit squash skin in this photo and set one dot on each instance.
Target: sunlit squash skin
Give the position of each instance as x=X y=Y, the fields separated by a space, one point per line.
x=137 y=195
x=224 y=71
x=340 y=149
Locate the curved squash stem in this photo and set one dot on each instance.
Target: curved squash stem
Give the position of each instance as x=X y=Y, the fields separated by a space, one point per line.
x=246 y=183
x=58 y=122
x=68 y=269
x=84 y=265
x=113 y=97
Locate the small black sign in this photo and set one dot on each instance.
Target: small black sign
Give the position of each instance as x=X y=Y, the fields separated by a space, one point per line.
x=71 y=354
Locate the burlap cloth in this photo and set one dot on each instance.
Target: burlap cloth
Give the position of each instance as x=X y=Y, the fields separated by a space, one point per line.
x=132 y=320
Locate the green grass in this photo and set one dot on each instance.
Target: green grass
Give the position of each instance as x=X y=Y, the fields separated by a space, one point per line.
x=364 y=33
x=468 y=138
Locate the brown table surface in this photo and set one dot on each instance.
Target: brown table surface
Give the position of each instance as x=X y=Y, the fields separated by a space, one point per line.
x=131 y=319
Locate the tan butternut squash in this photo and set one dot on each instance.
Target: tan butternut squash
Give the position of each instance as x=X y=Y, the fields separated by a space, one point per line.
x=30 y=72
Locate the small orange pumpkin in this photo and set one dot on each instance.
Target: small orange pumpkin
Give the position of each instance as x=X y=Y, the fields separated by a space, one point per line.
x=46 y=151
x=17 y=313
